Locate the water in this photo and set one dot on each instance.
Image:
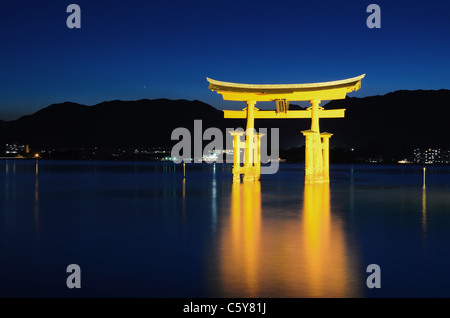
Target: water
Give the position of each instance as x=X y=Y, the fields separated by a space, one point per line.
x=139 y=229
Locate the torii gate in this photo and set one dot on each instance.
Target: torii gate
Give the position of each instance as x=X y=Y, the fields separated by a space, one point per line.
x=316 y=143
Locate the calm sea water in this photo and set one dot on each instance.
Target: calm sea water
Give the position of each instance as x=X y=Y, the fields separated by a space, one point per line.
x=140 y=229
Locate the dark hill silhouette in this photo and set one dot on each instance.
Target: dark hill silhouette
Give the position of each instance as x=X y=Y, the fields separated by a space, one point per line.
x=114 y=123
x=394 y=123
x=389 y=125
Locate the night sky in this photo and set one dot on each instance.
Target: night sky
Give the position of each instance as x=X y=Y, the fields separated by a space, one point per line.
x=131 y=50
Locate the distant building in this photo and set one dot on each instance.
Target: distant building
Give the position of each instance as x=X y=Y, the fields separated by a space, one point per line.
x=431 y=156
x=445 y=157
x=16 y=149
x=417 y=157
x=375 y=160
x=228 y=151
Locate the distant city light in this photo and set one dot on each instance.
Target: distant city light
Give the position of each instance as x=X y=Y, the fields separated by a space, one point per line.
x=431 y=156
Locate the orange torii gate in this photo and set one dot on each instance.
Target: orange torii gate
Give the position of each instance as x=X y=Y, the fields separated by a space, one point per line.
x=316 y=143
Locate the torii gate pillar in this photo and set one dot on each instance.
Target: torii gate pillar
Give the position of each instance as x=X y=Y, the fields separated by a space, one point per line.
x=252 y=156
x=317 y=155
x=250 y=147
x=326 y=154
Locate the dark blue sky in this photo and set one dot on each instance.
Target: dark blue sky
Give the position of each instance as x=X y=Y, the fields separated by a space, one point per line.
x=132 y=49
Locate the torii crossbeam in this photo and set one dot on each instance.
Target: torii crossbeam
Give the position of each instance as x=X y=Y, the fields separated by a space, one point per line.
x=316 y=143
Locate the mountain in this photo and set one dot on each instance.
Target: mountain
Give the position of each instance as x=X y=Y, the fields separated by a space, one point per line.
x=392 y=124
x=389 y=125
x=114 y=123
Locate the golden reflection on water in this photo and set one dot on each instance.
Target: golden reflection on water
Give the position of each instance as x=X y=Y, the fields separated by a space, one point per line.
x=324 y=247
x=299 y=254
x=243 y=251
x=424 y=212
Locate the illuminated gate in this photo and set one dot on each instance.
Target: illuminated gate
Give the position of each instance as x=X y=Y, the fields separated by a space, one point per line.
x=316 y=143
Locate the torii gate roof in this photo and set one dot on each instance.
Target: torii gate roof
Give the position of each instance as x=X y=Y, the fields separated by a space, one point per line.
x=293 y=92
